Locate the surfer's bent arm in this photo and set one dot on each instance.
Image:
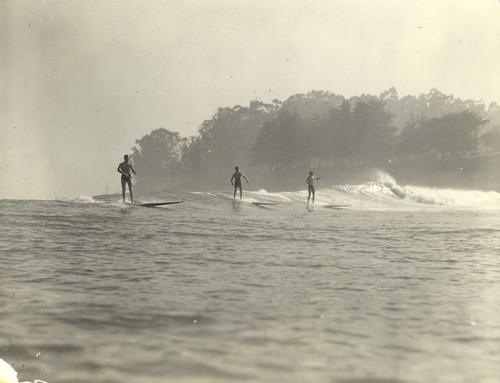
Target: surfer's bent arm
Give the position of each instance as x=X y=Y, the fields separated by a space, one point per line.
x=244 y=177
x=131 y=168
x=232 y=178
x=119 y=170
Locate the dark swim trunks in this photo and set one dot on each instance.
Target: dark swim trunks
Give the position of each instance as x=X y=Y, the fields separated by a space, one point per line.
x=237 y=183
x=126 y=180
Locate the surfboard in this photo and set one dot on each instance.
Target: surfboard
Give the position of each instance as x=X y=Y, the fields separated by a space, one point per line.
x=264 y=203
x=155 y=204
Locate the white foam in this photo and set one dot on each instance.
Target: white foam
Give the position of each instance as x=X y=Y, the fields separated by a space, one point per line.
x=450 y=197
x=435 y=196
x=386 y=193
x=9 y=375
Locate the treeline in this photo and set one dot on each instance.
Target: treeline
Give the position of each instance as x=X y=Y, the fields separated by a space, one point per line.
x=316 y=130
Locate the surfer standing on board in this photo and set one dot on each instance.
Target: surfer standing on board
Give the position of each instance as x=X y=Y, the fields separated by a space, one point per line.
x=124 y=169
x=237 y=180
x=310 y=187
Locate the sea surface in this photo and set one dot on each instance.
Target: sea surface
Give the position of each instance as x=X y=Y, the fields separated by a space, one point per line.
x=401 y=284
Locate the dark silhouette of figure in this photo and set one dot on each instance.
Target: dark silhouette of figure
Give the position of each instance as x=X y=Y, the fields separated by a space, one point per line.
x=237 y=181
x=124 y=169
x=310 y=186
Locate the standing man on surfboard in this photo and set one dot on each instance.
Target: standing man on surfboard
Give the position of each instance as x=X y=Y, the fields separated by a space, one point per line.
x=124 y=169
x=310 y=185
x=237 y=180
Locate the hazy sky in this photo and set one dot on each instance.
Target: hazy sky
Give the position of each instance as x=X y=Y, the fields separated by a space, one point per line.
x=81 y=80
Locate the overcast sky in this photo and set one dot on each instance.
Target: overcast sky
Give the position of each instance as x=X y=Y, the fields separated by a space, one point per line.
x=81 y=80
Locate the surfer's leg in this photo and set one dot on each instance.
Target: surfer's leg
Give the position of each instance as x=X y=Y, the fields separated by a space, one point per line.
x=129 y=182
x=123 y=189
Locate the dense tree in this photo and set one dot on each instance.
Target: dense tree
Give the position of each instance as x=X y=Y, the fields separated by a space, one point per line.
x=316 y=128
x=158 y=156
x=414 y=141
x=315 y=104
x=451 y=135
x=372 y=131
x=491 y=140
x=455 y=133
x=278 y=144
x=335 y=139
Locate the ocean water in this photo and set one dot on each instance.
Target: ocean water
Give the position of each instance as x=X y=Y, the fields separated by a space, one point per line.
x=402 y=284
